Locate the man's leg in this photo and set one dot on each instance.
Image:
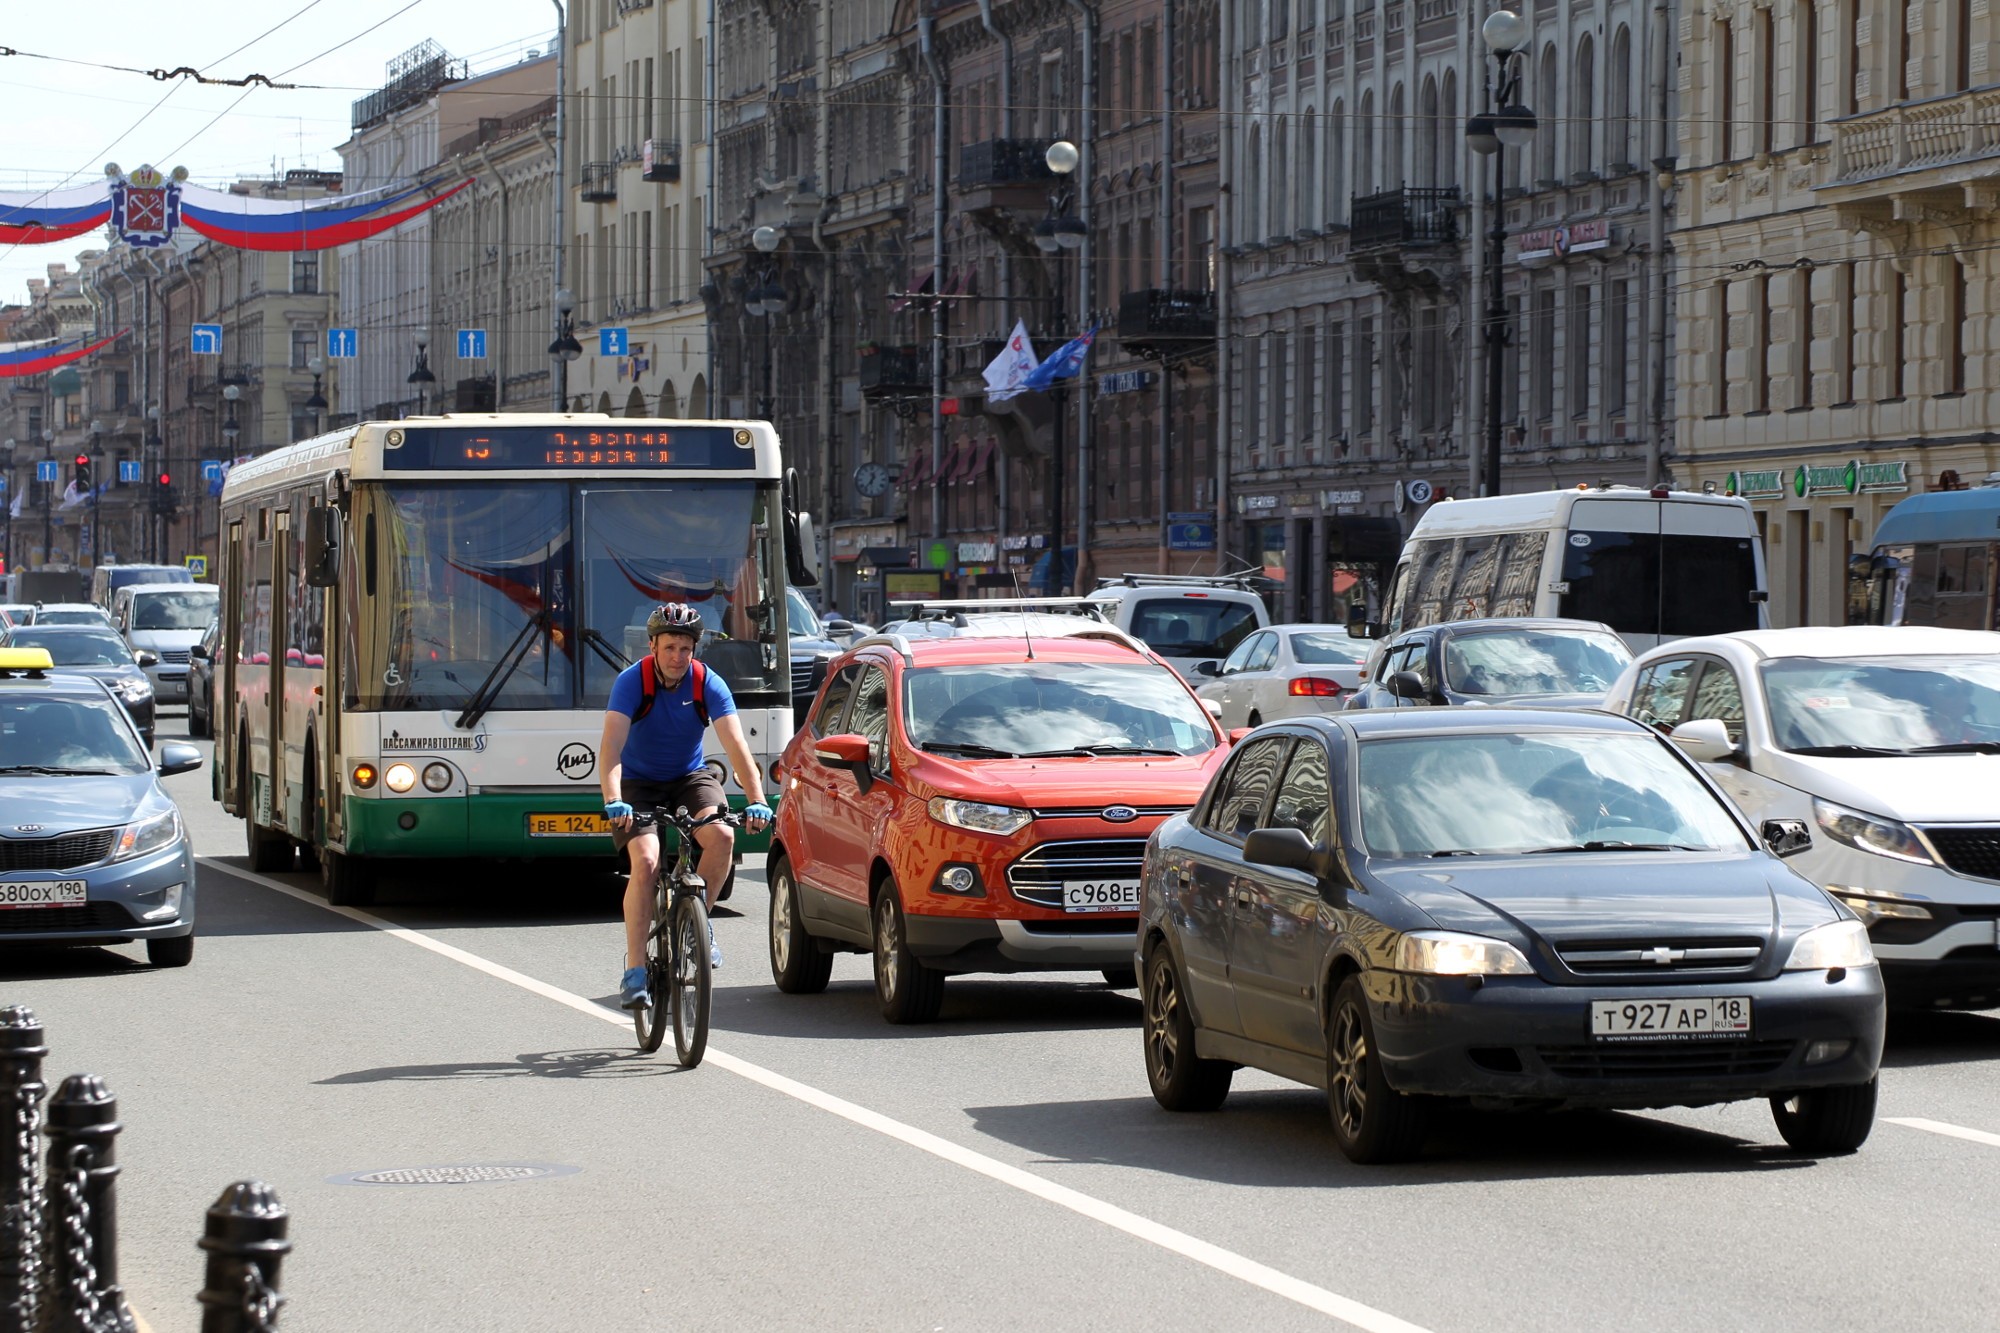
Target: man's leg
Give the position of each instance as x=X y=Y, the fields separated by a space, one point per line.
x=644 y=851
x=718 y=849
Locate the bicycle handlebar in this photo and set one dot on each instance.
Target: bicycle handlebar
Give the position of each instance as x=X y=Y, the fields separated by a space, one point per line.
x=685 y=822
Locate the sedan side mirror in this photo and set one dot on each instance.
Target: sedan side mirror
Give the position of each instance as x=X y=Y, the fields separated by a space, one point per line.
x=1786 y=837
x=1208 y=668
x=1214 y=708
x=850 y=751
x=176 y=757
x=1408 y=685
x=146 y=657
x=1286 y=848
x=1706 y=740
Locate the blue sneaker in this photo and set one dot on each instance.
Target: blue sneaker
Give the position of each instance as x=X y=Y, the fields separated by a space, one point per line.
x=714 y=949
x=632 y=993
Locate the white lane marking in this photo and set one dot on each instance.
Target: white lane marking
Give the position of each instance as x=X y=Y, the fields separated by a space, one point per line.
x=1132 y=1224
x=1948 y=1130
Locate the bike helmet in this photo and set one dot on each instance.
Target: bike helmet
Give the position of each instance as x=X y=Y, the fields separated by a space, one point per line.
x=674 y=618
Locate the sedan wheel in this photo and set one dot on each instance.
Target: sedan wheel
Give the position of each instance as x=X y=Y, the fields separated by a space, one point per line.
x=909 y=991
x=1372 y=1122
x=1826 y=1120
x=1181 y=1080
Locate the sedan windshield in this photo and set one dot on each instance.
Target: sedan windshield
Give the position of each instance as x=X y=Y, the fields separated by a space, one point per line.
x=1524 y=662
x=1053 y=708
x=192 y=609
x=1877 y=705
x=1484 y=794
x=48 y=735
x=1327 y=650
x=74 y=647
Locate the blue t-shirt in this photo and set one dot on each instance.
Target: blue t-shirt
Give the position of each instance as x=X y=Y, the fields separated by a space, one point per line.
x=665 y=745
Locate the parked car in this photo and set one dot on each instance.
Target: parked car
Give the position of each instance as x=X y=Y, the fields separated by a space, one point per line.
x=1284 y=671
x=165 y=619
x=1540 y=663
x=67 y=613
x=1883 y=739
x=97 y=652
x=977 y=804
x=201 y=681
x=94 y=851
x=1517 y=906
x=1185 y=618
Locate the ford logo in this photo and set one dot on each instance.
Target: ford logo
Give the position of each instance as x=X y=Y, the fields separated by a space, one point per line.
x=1120 y=814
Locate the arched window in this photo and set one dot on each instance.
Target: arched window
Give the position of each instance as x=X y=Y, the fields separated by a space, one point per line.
x=1582 y=112
x=1394 y=173
x=1545 y=95
x=1805 y=91
x=1336 y=164
x=1447 y=128
x=1364 y=147
x=1427 y=134
x=1722 y=83
x=1280 y=181
x=1253 y=187
x=1308 y=168
x=1618 y=97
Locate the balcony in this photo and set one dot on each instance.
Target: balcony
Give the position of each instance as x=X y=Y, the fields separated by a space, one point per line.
x=1937 y=159
x=598 y=183
x=1406 y=238
x=211 y=381
x=1003 y=162
x=1167 y=324
x=895 y=372
x=660 y=161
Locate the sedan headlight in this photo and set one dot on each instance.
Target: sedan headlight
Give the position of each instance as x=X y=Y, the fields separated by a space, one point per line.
x=979 y=817
x=133 y=688
x=148 y=835
x=1445 y=953
x=1836 y=944
x=1871 y=833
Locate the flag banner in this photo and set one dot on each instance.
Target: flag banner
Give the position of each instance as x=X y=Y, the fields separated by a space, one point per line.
x=1063 y=363
x=1007 y=373
x=18 y=359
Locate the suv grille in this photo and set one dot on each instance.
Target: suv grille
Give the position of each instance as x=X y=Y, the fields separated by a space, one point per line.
x=802 y=674
x=1969 y=851
x=65 y=853
x=1097 y=811
x=1037 y=877
x=1690 y=1059
x=174 y=656
x=1642 y=960
x=91 y=916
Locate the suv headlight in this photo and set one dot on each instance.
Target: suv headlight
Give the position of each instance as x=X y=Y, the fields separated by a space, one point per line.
x=1836 y=944
x=148 y=835
x=979 y=817
x=1446 y=953
x=1871 y=833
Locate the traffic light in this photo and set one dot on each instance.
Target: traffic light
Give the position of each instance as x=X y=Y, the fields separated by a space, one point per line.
x=83 y=472
x=163 y=492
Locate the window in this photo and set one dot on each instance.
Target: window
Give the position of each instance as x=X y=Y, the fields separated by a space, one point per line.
x=1660 y=694
x=1767 y=82
x=1582 y=113
x=833 y=703
x=1264 y=654
x=1899 y=363
x=1805 y=90
x=304 y=343
x=1239 y=802
x=1718 y=370
x=1802 y=337
x=305 y=422
x=1544 y=334
x=1617 y=373
x=1236 y=661
x=1723 y=76
x=305 y=273
x=1953 y=331
x=1336 y=366
x=1364 y=375
x=1305 y=384
x=870 y=716
x=1580 y=343
x=1280 y=398
x=1719 y=697
x=1760 y=343
x=1618 y=98
x=1304 y=798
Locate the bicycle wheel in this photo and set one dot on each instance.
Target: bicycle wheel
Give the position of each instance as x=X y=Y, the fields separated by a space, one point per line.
x=690 y=978
x=649 y=1020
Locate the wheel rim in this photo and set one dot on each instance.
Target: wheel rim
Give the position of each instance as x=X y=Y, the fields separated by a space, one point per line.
x=1348 y=1071
x=781 y=921
x=1163 y=1009
x=687 y=973
x=888 y=943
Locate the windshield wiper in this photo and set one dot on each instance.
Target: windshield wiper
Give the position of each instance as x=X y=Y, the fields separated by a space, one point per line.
x=488 y=692
x=1086 y=751
x=1610 y=845
x=43 y=770
x=616 y=660
x=1453 y=851
x=1844 y=751
x=1962 y=747
x=968 y=750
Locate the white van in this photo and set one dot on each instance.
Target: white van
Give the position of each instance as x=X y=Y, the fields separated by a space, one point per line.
x=1185 y=618
x=165 y=619
x=1653 y=565
x=106 y=580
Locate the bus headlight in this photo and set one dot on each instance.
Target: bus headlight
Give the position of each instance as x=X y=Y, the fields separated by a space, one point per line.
x=399 y=777
x=437 y=776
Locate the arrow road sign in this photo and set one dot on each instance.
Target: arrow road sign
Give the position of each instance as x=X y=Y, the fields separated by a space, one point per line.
x=472 y=344
x=128 y=469
x=611 y=342
x=205 y=339
x=45 y=470
x=341 y=344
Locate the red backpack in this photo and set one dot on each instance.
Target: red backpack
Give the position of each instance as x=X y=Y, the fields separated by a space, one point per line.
x=650 y=681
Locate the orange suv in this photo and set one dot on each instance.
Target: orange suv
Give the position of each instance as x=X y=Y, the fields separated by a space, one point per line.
x=978 y=804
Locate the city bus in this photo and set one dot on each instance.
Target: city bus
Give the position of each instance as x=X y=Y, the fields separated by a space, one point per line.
x=1936 y=561
x=421 y=621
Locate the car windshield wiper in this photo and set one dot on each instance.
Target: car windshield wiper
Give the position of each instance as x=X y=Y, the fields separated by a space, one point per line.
x=1454 y=851
x=1844 y=751
x=604 y=649
x=43 y=770
x=1611 y=845
x=488 y=692
x=1081 y=751
x=1962 y=747
x=968 y=750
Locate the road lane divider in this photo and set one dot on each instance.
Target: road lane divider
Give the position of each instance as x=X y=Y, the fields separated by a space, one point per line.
x=1227 y=1262
x=1948 y=1130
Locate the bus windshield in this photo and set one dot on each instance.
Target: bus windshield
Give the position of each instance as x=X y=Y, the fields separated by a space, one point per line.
x=458 y=579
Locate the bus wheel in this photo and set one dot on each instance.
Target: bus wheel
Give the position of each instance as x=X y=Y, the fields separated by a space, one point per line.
x=348 y=881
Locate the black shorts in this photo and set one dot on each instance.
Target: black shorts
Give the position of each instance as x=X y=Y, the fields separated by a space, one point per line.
x=698 y=791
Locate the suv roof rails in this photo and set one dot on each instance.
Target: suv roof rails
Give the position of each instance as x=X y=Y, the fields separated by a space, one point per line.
x=1243 y=581
x=955 y=610
x=895 y=642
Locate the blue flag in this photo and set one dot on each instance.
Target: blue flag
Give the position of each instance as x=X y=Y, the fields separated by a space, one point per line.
x=1063 y=363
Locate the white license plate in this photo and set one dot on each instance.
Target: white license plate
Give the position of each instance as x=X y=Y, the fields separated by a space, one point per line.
x=1699 y=1018
x=1101 y=895
x=44 y=893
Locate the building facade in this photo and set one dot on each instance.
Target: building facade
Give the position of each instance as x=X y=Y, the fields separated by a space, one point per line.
x=46 y=420
x=1839 y=318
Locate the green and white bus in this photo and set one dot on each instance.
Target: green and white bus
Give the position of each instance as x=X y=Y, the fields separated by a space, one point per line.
x=421 y=621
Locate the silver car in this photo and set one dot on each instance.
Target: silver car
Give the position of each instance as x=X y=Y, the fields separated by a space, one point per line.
x=1284 y=671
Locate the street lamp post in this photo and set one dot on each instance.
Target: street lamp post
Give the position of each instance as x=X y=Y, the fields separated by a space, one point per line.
x=1504 y=124
x=421 y=374
x=565 y=348
x=765 y=298
x=48 y=500
x=156 y=461
x=1055 y=233
x=317 y=365
x=96 y=483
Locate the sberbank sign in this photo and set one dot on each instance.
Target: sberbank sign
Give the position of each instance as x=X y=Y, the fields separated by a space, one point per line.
x=1853 y=477
x=1755 y=485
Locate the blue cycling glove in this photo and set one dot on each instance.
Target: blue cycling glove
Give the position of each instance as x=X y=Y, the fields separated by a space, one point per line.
x=617 y=810
x=759 y=811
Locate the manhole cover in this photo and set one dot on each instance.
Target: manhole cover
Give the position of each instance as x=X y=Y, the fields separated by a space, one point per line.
x=453 y=1175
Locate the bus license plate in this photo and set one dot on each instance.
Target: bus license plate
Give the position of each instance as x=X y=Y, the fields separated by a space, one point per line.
x=568 y=826
x=1703 y=1018
x=1101 y=895
x=44 y=893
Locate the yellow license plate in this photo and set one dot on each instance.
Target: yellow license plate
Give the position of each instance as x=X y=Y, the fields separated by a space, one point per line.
x=568 y=826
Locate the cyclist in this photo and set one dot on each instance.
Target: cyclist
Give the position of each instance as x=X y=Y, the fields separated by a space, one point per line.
x=652 y=758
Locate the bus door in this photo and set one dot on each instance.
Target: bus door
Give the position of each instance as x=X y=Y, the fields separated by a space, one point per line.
x=228 y=764
x=281 y=642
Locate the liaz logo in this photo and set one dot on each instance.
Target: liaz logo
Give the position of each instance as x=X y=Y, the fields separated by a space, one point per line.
x=576 y=761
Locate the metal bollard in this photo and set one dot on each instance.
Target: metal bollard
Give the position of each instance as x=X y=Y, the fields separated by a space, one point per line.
x=83 y=1295
x=245 y=1240
x=21 y=1091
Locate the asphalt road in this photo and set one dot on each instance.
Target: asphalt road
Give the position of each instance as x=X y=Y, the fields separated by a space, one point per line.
x=1003 y=1168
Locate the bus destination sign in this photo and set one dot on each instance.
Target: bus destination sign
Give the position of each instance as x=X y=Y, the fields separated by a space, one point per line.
x=564 y=448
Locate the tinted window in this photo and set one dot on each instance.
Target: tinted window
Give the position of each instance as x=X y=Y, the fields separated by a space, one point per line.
x=1192 y=626
x=1328 y=650
x=1720 y=697
x=833 y=702
x=1678 y=585
x=1660 y=695
x=1304 y=798
x=1263 y=653
x=1240 y=802
x=870 y=716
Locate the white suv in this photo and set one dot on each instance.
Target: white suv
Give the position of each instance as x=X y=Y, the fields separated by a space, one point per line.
x=1185 y=618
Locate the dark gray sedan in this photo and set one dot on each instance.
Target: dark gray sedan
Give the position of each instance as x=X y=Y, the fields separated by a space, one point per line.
x=99 y=652
x=1510 y=906
x=1518 y=661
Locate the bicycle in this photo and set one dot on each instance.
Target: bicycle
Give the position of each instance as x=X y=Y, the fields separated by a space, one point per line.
x=677 y=967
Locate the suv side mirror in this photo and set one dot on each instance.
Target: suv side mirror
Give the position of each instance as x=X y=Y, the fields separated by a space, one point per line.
x=1786 y=837
x=199 y=650
x=850 y=751
x=1359 y=626
x=1706 y=741
x=1286 y=848
x=146 y=657
x=1408 y=685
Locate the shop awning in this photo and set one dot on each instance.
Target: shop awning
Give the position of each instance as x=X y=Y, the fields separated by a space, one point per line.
x=976 y=459
x=923 y=287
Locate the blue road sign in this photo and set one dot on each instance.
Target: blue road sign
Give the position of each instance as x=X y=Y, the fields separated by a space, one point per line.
x=128 y=469
x=3 y=483
x=211 y=469
x=342 y=344
x=472 y=344
x=45 y=470
x=611 y=342
x=205 y=339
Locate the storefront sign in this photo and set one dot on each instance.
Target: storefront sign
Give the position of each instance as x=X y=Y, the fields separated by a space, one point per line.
x=1124 y=381
x=1191 y=532
x=911 y=583
x=938 y=555
x=1333 y=498
x=1019 y=541
x=975 y=553
x=1559 y=242
x=1877 y=478
x=1755 y=485
x=1255 y=504
x=1851 y=478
